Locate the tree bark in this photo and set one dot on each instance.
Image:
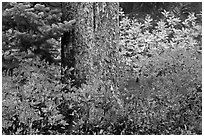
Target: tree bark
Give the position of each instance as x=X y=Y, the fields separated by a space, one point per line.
x=91 y=48
x=68 y=47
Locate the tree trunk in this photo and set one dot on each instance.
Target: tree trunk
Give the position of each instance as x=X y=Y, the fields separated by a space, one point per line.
x=91 y=48
x=68 y=46
x=106 y=39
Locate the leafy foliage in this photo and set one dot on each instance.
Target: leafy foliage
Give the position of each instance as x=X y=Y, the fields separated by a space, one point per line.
x=163 y=59
x=31 y=99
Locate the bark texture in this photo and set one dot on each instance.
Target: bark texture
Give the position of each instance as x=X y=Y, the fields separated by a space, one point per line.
x=91 y=47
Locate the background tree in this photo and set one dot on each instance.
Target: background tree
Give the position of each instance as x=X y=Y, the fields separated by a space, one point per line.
x=33 y=27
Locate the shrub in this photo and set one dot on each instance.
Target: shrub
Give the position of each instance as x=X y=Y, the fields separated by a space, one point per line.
x=30 y=100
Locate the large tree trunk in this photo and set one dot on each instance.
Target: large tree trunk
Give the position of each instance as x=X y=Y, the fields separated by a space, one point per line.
x=91 y=48
x=106 y=39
